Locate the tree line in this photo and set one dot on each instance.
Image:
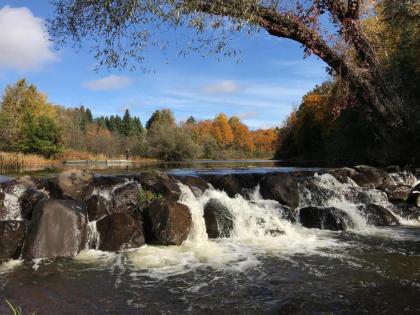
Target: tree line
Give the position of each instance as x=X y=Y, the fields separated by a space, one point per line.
x=31 y=124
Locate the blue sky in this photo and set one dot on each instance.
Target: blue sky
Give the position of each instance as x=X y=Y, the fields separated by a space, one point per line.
x=262 y=88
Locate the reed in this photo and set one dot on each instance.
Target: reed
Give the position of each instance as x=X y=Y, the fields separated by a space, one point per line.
x=15 y=163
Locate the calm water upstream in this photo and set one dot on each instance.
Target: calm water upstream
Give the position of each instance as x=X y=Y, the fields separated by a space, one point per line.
x=257 y=271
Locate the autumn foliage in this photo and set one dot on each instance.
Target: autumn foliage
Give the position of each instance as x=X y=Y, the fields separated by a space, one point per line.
x=30 y=124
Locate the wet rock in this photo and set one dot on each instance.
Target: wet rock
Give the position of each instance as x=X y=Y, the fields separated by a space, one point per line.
x=233 y=184
x=58 y=229
x=125 y=198
x=104 y=185
x=160 y=184
x=325 y=218
x=98 y=207
x=29 y=200
x=368 y=177
x=414 y=196
x=120 y=231
x=70 y=184
x=379 y=216
x=219 y=220
x=399 y=193
x=197 y=184
x=166 y=222
x=12 y=235
x=343 y=174
x=281 y=187
x=394 y=180
x=407 y=211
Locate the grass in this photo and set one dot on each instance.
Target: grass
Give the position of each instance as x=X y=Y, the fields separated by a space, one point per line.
x=15 y=310
x=146 y=197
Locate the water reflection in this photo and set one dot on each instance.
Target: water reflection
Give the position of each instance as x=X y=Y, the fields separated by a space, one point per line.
x=176 y=168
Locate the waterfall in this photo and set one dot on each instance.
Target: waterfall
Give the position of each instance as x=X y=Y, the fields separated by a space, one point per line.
x=12 y=203
x=93 y=237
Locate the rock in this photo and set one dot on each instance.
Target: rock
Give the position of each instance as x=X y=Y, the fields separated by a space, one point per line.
x=233 y=184
x=58 y=229
x=125 y=198
x=325 y=218
x=166 y=223
x=368 y=177
x=393 y=180
x=414 y=196
x=160 y=184
x=407 y=211
x=120 y=231
x=70 y=184
x=281 y=187
x=219 y=221
x=378 y=215
x=98 y=207
x=343 y=174
x=29 y=200
x=104 y=185
x=12 y=235
x=399 y=193
x=197 y=184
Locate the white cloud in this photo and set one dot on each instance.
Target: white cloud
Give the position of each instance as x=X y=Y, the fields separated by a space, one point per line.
x=109 y=83
x=247 y=115
x=223 y=87
x=24 y=43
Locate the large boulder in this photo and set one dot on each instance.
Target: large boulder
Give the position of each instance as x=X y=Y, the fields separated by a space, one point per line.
x=160 y=184
x=281 y=187
x=325 y=219
x=166 y=222
x=125 y=198
x=12 y=235
x=197 y=184
x=234 y=184
x=399 y=193
x=98 y=207
x=396 y=179
x=378 y=215
x=407 y=211
x=414 y=196
x=70 y=184
x=120 y=231
x=219 y=220
x=368 y=176
x=343 y=174
x=58 y=229
x=104 y=185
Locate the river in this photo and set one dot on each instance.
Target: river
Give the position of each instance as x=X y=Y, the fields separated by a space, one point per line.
x=268 y=266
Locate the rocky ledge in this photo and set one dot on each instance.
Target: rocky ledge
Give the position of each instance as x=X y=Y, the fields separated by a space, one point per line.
x=75 y=210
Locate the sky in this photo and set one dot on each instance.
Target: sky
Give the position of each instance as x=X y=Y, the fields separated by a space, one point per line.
x=261 y=87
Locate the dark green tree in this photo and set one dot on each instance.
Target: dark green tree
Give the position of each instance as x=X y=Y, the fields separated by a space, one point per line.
x=126 y=128
x=41 y=135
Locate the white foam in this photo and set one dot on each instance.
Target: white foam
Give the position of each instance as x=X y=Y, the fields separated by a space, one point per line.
x=252 y=237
